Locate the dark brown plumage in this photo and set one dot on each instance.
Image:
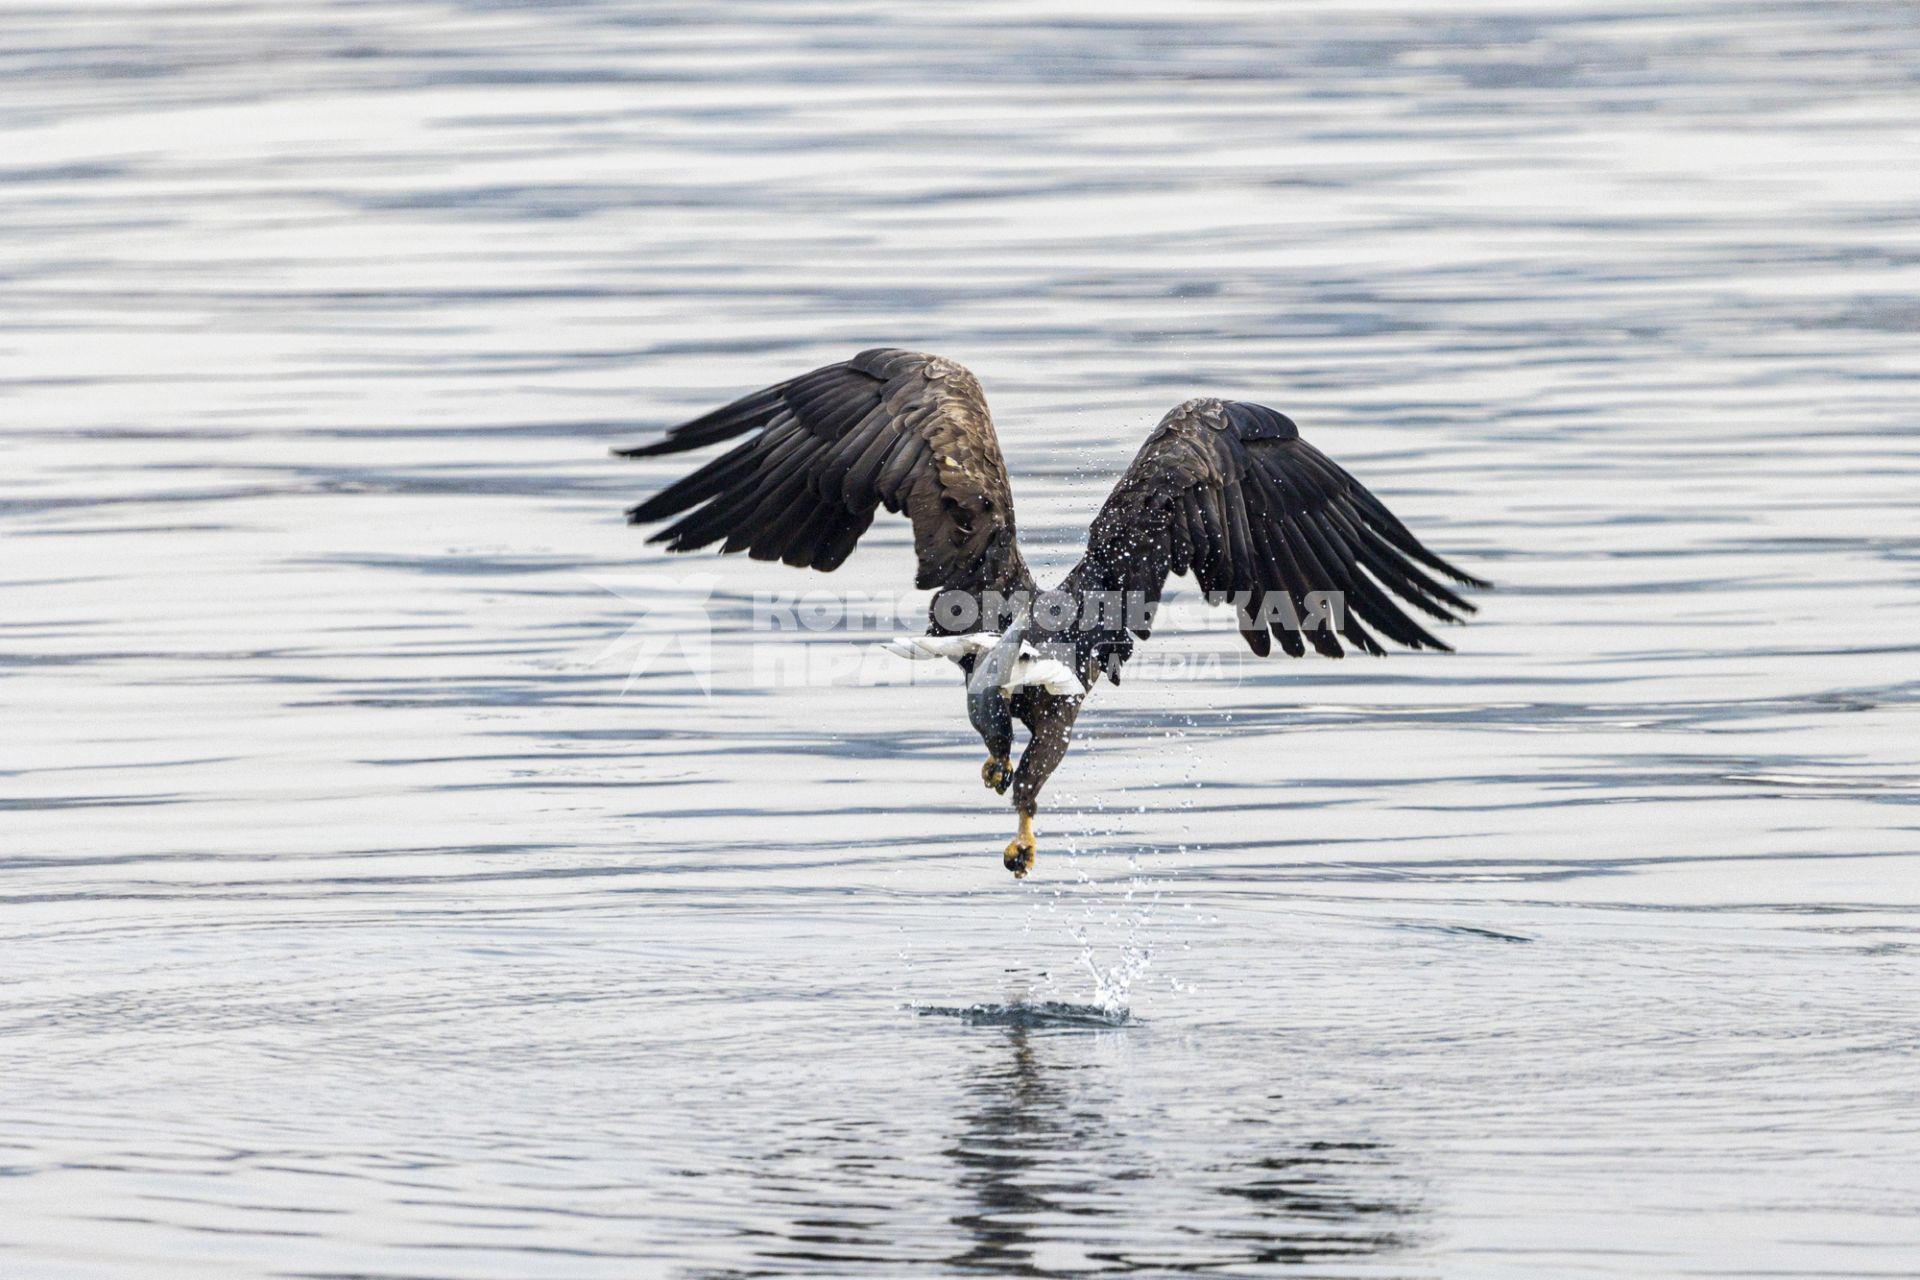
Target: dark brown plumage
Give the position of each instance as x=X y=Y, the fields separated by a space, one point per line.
x=1230 y=493
x=1222 y=490
x=898 y=429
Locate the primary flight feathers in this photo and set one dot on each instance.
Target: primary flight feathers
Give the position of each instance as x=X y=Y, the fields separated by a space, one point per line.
x=1222 y=490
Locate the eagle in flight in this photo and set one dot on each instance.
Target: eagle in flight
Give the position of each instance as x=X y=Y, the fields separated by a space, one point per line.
x=1223 y=490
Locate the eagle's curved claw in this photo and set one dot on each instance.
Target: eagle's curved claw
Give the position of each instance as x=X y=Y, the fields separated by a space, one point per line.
x=1022 y=852
x=997 y=773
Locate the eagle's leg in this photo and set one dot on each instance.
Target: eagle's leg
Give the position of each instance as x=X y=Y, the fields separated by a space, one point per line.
x=997 y=773
x=1022 y=852
x=1050 y=721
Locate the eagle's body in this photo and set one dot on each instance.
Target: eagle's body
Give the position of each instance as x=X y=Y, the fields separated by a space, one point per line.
x=1225 y=491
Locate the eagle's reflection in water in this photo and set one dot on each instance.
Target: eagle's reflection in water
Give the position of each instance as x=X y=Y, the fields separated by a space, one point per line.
x=1067 y=1174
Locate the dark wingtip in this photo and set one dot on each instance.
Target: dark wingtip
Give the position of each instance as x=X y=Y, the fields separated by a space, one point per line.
x=652 y=509
x=1451 y=570
x=640 y=515
x=643 y=450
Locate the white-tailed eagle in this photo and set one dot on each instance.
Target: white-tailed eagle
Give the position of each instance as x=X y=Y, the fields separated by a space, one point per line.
x=1222 y=490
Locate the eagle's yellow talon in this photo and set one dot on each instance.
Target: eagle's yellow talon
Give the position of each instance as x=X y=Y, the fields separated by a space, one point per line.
x=1022 y=852
x=997 y=773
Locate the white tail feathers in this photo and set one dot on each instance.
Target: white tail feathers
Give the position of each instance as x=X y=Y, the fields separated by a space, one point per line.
x=1029 y=668
x=1049 y=673
x=922 y=648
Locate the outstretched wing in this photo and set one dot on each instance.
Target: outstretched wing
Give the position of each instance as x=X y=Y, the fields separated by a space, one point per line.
x=898 y=429
x=1230 y=493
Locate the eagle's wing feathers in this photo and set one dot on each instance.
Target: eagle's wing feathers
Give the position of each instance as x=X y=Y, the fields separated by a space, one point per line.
x=890 y=428
x=1230 y=493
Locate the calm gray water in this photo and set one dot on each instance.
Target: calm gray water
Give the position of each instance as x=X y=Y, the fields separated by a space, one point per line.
x=362 y=918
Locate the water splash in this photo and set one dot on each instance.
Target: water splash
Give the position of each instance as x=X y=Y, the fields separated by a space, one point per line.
x=1031 y=1013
